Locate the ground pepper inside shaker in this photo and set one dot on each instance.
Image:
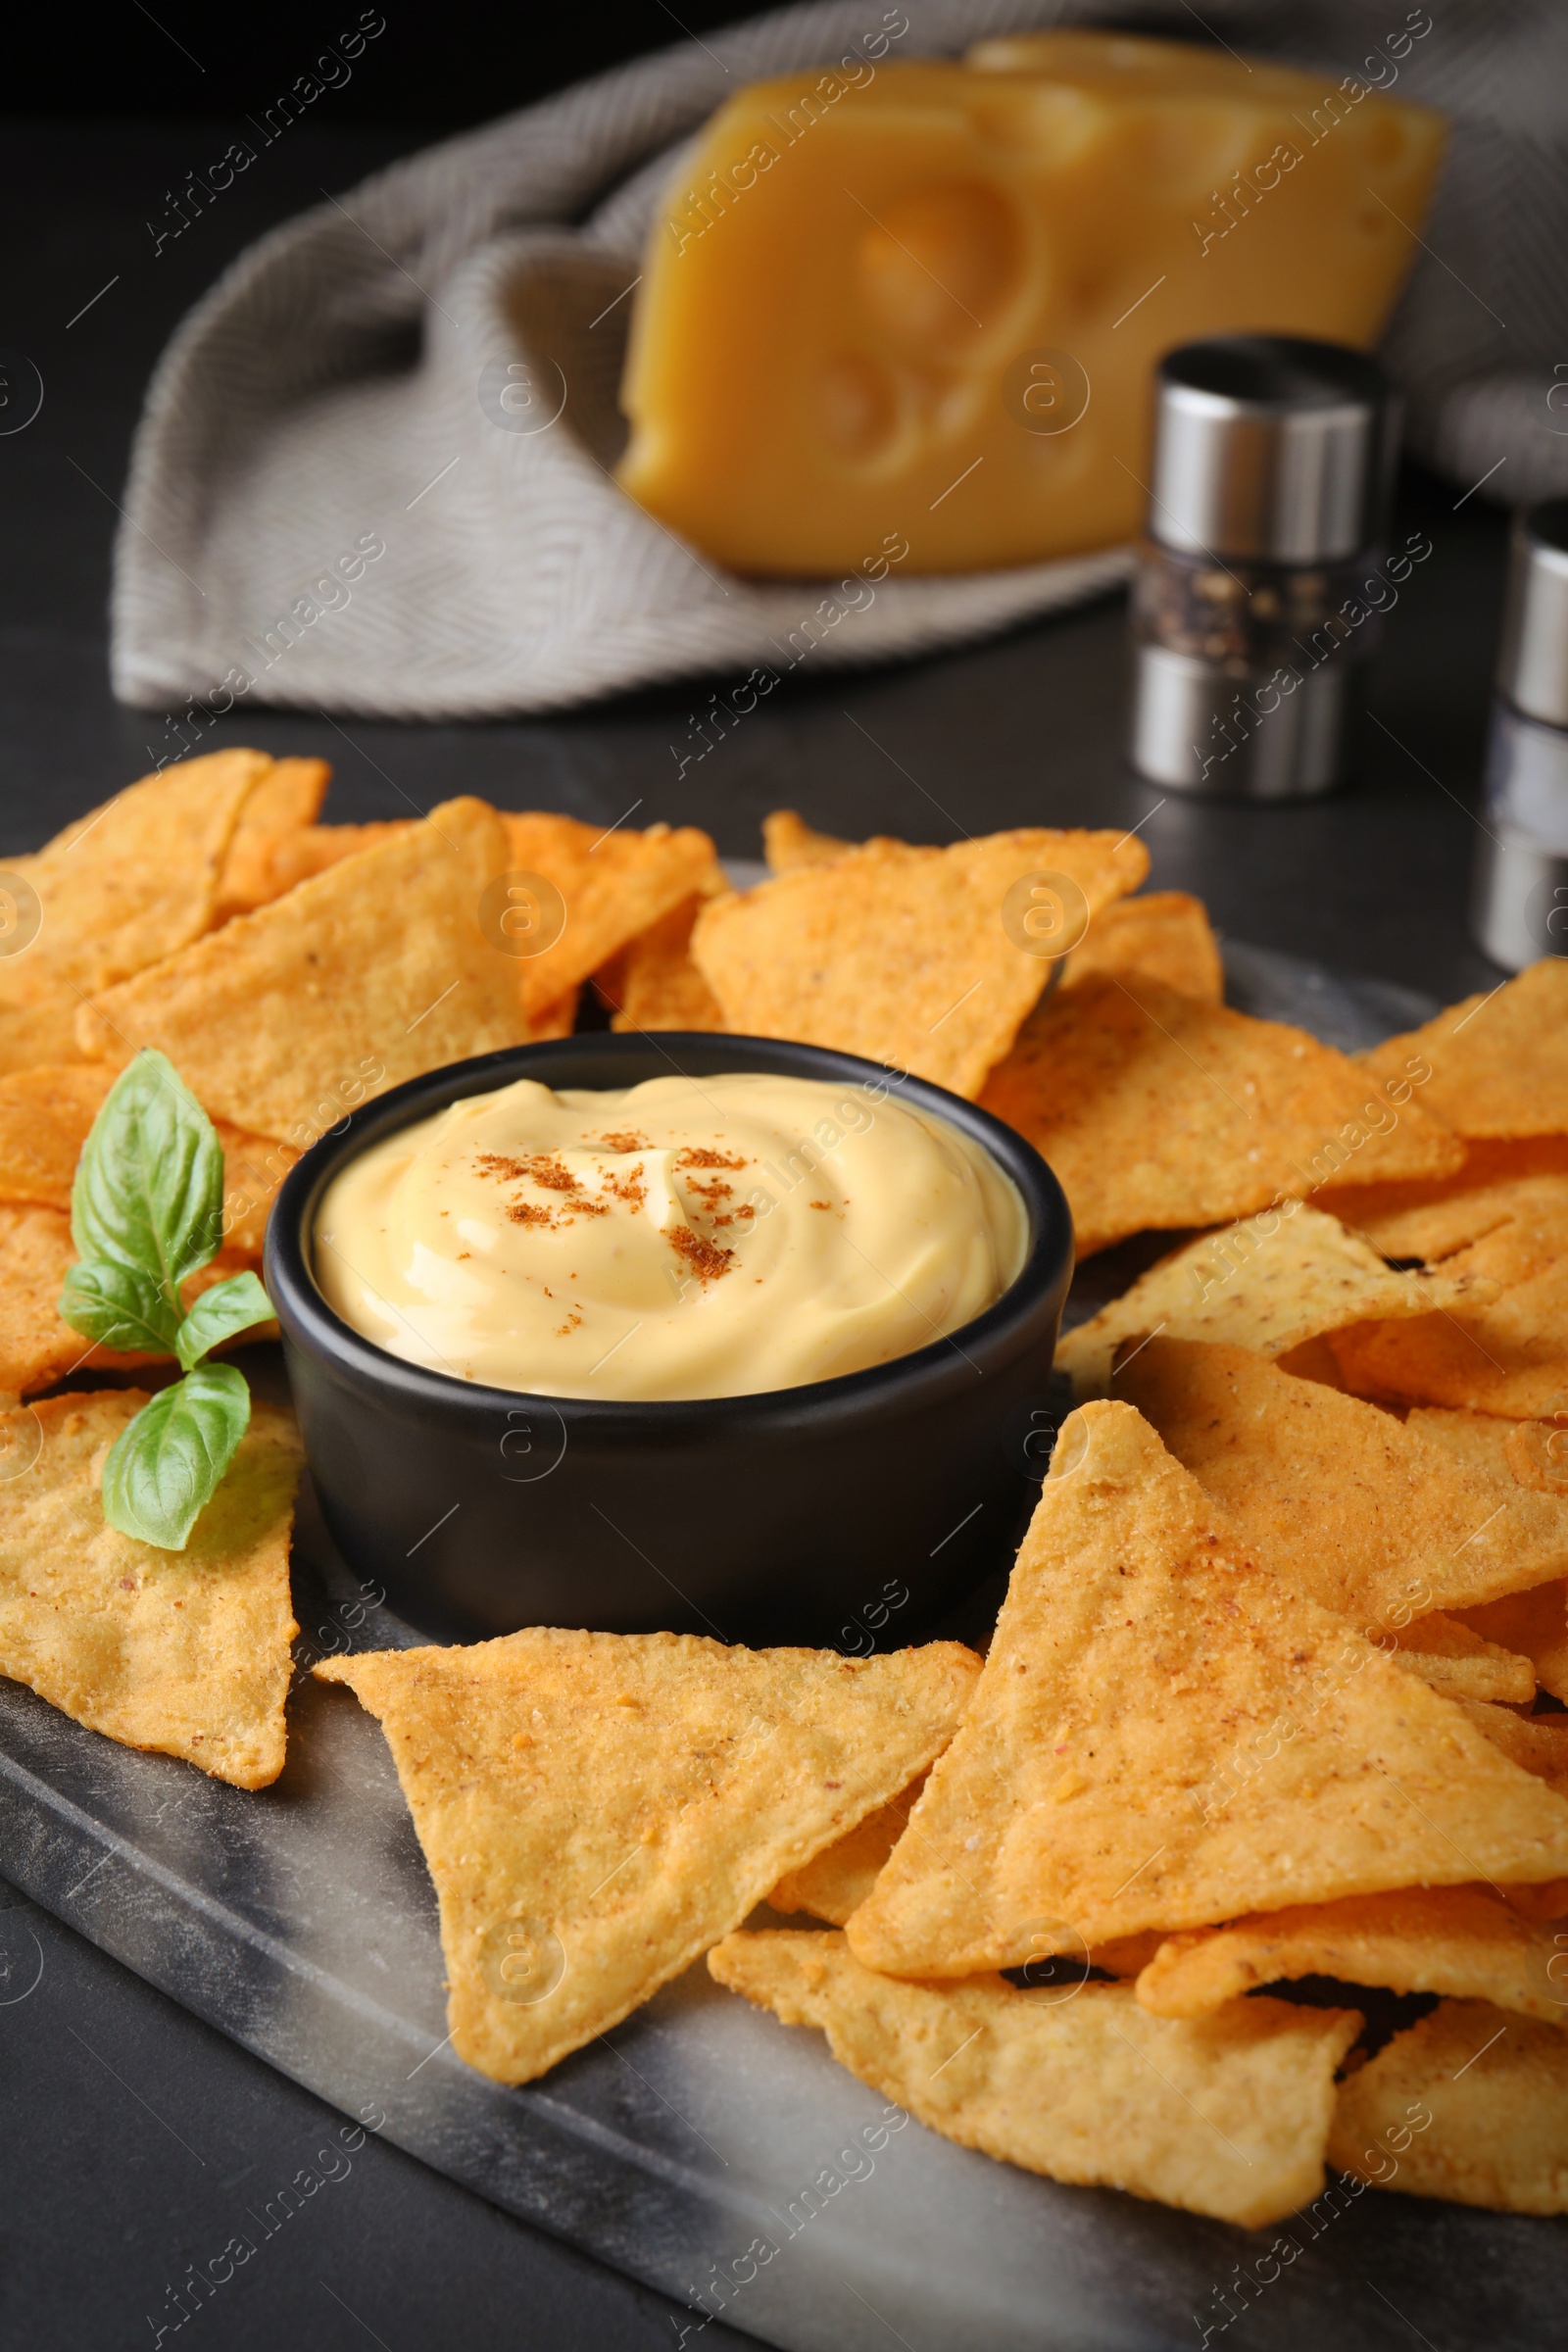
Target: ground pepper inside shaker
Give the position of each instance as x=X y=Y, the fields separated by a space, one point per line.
x=1260 y=584
x=1519 y=908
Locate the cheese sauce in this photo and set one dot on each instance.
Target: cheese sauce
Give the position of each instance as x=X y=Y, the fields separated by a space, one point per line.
x=711 y=1237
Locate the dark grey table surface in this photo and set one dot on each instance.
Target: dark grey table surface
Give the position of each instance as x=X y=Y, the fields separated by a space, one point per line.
x=131 y=2135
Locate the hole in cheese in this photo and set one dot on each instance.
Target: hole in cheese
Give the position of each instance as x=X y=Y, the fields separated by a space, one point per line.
x=938 y=266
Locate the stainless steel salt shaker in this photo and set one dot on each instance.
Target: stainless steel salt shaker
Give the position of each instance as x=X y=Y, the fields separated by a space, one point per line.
x=1255 y=607
x=1519 y=906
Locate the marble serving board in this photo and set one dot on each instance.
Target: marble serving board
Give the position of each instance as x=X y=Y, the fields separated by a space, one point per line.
x=702 y=2146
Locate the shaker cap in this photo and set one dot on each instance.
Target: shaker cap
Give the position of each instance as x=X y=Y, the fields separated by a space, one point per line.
x=1272 y=447
x=1532 y=664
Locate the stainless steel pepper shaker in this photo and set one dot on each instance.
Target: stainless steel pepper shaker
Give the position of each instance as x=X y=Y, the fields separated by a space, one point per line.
x=1519 y=906
x=1272 y=459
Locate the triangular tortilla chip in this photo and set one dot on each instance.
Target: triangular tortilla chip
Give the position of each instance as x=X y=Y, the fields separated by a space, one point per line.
x=1463 y=1941
x=1227 y=2117
x=1504 y=1351
x=558 y=1019
x=1158 y=1112
x=1535 y=1624
x=652 y=982
x=597 y=1809
x=1500 y=1061
x=46 y=1116
x=657 y=985
x=37 y=1348
x=788 y=842
x=296 y=857
x=903 y=954
x=366 y=975
x=1161 y=935
x=1270 y=1284
x=1536 y=1743
x=1470 y=2104
x=31 y=1035
x=134 y=880
x=186 y=1652
x=119 y=888
x=838 y=1879
x=1530 y=1460
x=1165 y=1736
x=613 y=884
x=1452 y=1658
x=282 y=805
x=1431 y=1221
x=1539 y=1744
x=1533 y=1455
x=1363 y=1513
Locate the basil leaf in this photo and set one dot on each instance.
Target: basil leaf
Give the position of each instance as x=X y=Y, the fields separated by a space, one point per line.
x=149 y=1188
x=218 y=1314
x=166 y=1464
x=119 y=1306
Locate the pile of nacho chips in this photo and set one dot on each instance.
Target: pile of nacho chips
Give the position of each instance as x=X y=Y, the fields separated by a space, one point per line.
x=1270 y=1744
x=289 y=970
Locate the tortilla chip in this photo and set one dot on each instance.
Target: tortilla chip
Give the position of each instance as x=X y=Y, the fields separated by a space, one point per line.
x=1488 y=1442
x=31 y=1035
x=838 y=1879
x=1463 y=1940
x=45 y=1117
x=284 y=804
x=841 y=1877
x=1536 y=1743
x=1500 y=1061
x=1536 y=1624
x=133 y=880
x=1431 y=1221
x=296 y=857
x=37 y=1348
x=901 y=955
x=1539 y=1744
x=657 y=986
x=1470 y=2104
x=789 y=842
x=254 y=1167
x=1548 y=1900
x=558 y=1019
x=597 y=1809
x=1088 y=2089
x=1363 y=1513
x=1164 y=1735
x=186 y=1652
x=1270 y=1284
x=1161 y=935
x=47 y=1114
x=1450 y=1655
x=368 y=974
x=614 y=883
x=1158 y=1111
x=1504 y=1351
x=653 y=983
x=119 y=888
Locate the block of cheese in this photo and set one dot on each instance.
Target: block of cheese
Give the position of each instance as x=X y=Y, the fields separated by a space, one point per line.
x=922 y=301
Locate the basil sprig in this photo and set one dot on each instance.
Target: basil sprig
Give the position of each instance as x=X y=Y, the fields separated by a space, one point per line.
x=146 y=1213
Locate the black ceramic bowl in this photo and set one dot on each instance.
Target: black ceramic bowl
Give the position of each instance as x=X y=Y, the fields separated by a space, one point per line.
x=848 y=1511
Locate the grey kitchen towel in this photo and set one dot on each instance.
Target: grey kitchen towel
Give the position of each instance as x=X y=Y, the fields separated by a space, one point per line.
x=338 y=496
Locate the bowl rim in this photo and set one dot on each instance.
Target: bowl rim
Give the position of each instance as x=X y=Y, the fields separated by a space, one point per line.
x=311 y=1324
